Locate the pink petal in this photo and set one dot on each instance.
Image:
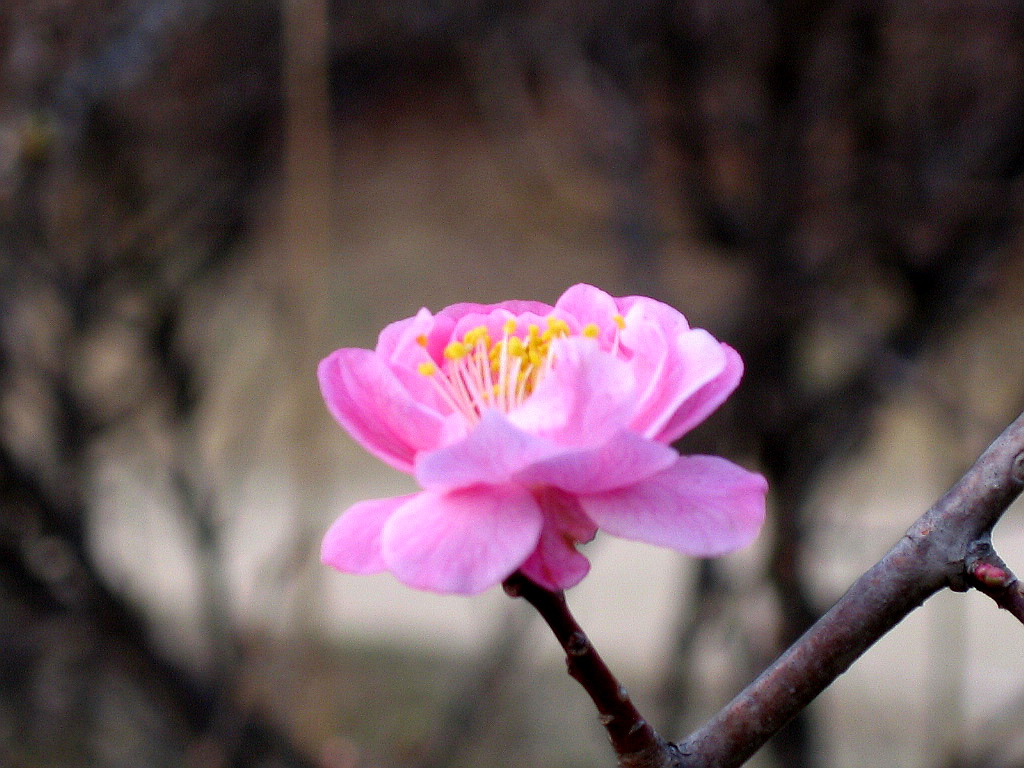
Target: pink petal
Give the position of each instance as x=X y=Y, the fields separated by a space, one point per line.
x=676 y=367
x=515 y=307
x=705 y=400
x=405 y=348
x=367 y=399
x=563 y=511
x=399 y=346
x=352 y=543
x=462 y=541
x=555 y=564
x=491 y=454
x=397 y=338
x=702 y=506
x=637 y=308
x=624 y=460
x=588 y=305
x=584 y=400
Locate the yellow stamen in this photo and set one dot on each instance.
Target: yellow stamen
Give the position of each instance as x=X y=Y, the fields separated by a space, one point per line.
x=476 y=335
x=478 y=373
x=455 y=351
x=558 y=327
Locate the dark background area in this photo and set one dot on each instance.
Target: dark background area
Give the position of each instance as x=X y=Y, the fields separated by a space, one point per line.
x=199 y=199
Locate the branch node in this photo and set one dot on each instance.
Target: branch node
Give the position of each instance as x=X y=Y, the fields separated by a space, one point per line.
x=577 y=644
x=1017 y=470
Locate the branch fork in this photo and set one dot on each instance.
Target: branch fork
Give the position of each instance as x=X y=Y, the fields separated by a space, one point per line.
x=949 y=546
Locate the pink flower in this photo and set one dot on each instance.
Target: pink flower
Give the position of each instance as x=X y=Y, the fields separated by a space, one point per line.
x=529 y=427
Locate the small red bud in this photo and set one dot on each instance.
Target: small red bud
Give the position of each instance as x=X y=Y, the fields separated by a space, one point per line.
x=990 y=575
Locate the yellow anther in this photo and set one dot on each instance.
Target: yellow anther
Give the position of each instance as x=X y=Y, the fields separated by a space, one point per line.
x=619 y=321
x=558 y=326
x=477 y=334
x=591 y=331
x=456 y=351
x=477 y=372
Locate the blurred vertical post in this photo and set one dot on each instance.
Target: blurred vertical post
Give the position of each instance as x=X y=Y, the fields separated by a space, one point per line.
x=306 y=238
x=306 y=197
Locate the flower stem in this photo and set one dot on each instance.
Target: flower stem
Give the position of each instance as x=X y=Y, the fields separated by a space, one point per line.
x=634 y=739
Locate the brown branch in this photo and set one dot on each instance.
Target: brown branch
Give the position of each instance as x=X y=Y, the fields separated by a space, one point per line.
x=948 y=546
x=936 y=552
x=990 y=576
x=635 y=741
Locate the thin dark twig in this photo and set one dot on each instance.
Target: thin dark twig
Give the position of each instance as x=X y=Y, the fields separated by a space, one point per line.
x=635 y=741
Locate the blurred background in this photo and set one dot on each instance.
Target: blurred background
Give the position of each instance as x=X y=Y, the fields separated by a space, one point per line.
x=201 y=198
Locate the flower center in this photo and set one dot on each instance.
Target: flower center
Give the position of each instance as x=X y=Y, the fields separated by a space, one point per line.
x=479 y=373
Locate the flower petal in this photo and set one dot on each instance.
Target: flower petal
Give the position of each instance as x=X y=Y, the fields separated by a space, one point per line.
x=634 y=308
x=676 y=367
x=588 y=305
x=352 y=543
x=584 y=399
x=555 y=564
x=398 y=339
x=624 y=460
x=491 y=454
x=462 y=541
x=515 y=307
x=369 y=401
x=705 y=400
x=702 y=506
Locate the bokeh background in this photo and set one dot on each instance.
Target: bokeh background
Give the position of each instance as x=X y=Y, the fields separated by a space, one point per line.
x=201 y=198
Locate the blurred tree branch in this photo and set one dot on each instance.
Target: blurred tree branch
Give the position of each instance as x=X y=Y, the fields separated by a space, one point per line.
x=124 y=200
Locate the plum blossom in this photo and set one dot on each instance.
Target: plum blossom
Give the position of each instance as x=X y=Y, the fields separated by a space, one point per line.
x=529 y=427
